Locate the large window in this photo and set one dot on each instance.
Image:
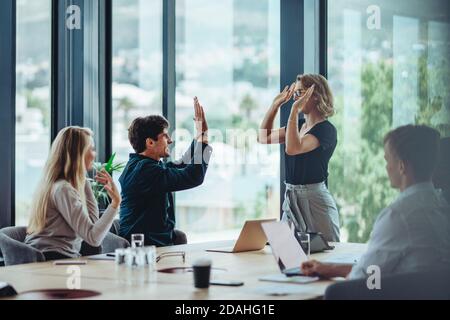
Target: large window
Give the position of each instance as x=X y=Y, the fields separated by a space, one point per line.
x=228 y=54
x=32 y=99
x=388 y=66
x=137 y=66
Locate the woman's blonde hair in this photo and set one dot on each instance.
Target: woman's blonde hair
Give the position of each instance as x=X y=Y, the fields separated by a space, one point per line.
x=322 y=93
x=66 y=162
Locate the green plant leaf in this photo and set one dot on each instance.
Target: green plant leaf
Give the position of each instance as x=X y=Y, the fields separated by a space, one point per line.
x=98 y=166
x=109 y=164
x=100 y=194
x=118 y=167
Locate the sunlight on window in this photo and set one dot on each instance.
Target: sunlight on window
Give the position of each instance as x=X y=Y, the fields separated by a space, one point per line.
x=137 y=67
x=232 y=63
x=32 y=100
x=386 y=70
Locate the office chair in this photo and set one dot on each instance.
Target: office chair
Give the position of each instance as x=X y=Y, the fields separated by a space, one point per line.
x=14 y=251
x=413 y=286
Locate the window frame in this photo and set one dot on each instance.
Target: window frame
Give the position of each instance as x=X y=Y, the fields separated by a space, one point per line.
x=294 y=26
x=8 y=111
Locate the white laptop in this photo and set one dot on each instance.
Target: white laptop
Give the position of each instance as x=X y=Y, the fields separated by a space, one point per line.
x=288 y=253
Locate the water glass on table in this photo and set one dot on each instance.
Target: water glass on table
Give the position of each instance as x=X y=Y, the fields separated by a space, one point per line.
x=137 y=240
x=150 y=257
x=305 y=242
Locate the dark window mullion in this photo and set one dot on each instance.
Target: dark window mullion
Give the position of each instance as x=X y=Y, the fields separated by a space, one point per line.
x=169 y=60
x=292 y=61
x=323 y=37
x=55 y=112
x=106 y=51
x=169 y=71
x=7 y=111
x=68 y=68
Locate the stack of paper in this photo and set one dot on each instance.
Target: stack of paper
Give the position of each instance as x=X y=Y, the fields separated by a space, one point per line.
x=284 y=279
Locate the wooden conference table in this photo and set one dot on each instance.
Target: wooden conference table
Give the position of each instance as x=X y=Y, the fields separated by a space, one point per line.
x=121 y=283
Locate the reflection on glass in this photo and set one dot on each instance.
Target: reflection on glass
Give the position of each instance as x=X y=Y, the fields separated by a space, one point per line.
x=227 y=54
x=382 y=76
x=32 y=100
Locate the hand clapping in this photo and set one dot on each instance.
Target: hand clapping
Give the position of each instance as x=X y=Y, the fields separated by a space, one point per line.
x=105 y=178
x=201 y=124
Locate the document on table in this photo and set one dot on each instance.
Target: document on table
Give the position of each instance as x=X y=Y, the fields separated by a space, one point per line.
x=102 y=257
x=284 y=279
x=349 y=258
x=281 y=290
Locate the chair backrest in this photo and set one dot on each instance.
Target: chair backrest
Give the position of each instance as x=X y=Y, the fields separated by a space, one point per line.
x=14 y=251
x=16 y=233
x=115 y=228
x=109 y=245
x=414 y=286
x=113 y=242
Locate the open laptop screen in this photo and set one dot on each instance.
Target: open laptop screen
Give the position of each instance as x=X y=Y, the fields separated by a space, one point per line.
x=288 y=253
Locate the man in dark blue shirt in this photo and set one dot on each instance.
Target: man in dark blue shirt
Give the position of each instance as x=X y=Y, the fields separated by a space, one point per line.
x=147 y=182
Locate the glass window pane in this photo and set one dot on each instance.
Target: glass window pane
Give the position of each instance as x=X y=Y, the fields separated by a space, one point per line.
x=33 y=100
x=137 y=67
x=228 y=54
x=389 y=65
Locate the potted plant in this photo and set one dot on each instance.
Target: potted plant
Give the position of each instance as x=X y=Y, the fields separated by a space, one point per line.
x=100 y=194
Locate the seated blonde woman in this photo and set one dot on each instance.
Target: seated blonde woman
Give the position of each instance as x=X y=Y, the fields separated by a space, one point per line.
x=64 y=211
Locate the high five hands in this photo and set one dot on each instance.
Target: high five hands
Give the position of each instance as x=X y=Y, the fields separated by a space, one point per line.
x=302 y=100
x=201 y=124
x=292 y=92
x=285 y=96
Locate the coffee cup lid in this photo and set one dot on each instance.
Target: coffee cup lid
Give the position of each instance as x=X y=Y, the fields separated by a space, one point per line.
x=204 y=262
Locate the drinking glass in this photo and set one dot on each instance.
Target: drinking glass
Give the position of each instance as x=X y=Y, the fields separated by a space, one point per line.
x=150 y=257
x=137 y=240
x=305 y=242
x=120 y=256
x=132 y=258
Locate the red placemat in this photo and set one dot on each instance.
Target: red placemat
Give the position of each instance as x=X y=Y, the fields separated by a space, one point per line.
x=186 y=270
x=58 y=294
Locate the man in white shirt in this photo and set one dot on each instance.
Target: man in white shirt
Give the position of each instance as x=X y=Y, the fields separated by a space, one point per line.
x=441 y=178
x=413 y=233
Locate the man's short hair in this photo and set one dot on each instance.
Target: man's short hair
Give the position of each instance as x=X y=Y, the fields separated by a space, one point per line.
x=144 y=128
x=418 y=147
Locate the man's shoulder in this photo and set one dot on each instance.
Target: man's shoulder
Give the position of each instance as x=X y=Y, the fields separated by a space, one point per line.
x=420 y=200
x=414 y=210
x=137 y=170
x=387 y=216
x=141 y=163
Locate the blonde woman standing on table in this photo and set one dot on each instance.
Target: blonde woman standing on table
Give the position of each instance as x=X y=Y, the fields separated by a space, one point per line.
x=310 y=144
x=65 y=211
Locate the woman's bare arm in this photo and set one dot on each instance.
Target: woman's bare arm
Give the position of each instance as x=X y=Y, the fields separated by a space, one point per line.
x=268 y=135
x=295 y=143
